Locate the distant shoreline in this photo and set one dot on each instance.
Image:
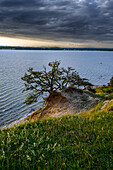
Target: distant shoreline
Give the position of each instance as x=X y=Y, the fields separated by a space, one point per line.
x=54 y=48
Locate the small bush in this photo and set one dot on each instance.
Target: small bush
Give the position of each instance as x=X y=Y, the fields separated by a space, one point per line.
x=104 y=89
x=111 y=82
x=91 y=89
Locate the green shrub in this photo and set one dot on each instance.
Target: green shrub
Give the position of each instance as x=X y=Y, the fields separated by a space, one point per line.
x=104 y=89
x=111 y=82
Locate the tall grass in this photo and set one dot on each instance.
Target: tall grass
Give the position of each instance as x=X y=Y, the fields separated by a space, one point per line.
x=69 y=142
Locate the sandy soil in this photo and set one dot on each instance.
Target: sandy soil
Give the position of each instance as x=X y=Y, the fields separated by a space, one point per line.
x=69 y=101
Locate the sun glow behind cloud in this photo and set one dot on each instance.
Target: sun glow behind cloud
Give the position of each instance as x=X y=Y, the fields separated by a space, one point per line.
x=6 y=41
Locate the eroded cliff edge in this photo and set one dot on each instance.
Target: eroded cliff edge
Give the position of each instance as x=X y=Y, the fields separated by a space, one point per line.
x=69 y=101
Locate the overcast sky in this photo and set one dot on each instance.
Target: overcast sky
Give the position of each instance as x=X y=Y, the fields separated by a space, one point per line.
x=72 y=21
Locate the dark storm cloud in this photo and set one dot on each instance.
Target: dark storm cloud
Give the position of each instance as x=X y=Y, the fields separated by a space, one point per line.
x=57 y=19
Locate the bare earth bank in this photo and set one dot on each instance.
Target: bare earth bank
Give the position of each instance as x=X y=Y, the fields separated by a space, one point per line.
x=69 y=101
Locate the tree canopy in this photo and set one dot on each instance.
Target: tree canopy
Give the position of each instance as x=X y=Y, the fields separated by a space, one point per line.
x=57 y=78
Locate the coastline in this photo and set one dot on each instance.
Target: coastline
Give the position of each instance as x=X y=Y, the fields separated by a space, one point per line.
x=54 y=48
x=58 y=104
x=61 y=141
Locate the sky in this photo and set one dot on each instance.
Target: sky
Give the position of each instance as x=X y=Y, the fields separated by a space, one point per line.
x=63 y=23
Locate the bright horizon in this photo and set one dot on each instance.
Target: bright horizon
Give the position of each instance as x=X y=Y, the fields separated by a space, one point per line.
x=8 y=41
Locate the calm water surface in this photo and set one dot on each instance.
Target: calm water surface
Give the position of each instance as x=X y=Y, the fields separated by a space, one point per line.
x=97 y=66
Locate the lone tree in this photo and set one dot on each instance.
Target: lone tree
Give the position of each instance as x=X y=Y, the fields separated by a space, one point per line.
x=40 y=82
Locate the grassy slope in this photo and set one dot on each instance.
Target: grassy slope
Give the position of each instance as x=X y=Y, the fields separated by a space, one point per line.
x=70 y=142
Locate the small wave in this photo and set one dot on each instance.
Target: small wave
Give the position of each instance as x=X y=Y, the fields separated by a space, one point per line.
x=10 y=90
x=16 y=113
x=10 y=103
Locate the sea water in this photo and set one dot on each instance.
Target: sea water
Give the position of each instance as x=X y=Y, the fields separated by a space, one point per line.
x=97 y=66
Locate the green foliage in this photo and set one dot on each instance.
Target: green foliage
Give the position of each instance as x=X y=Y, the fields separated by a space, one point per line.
x=90 y=89
x=111 y=82
x=39 y=82
x=104 y=89
x=70 y=142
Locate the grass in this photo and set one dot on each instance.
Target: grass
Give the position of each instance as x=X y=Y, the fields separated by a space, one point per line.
x=70 y=142
x=104 y=89
x=105 y=92
x=102 y=94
